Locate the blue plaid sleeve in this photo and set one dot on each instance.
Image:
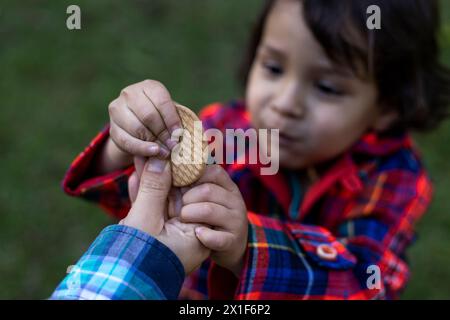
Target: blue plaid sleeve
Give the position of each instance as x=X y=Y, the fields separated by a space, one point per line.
x=123 y=263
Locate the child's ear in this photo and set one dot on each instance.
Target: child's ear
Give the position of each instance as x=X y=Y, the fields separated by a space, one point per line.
x=385 y=120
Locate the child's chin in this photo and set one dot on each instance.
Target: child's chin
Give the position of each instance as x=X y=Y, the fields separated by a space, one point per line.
x=287 y=158
x=291 y=161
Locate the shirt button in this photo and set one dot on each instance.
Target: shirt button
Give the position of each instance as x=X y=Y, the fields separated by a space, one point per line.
x=326 y=252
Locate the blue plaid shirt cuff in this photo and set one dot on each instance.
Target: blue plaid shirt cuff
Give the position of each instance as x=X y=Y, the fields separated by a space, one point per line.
x=123 y=263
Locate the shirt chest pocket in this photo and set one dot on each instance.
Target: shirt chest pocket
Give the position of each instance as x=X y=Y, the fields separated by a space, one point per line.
x=322 y=248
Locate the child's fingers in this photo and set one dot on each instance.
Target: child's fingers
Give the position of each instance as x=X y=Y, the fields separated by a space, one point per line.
x=129 y=122
x=147 y=106
x=124 y=117
x=217 y=175
x=208 y=192
x=147 y=113
x=184 y=227
x=134 y=146
x=206 y=213
x=160 y=97
x=214 y=239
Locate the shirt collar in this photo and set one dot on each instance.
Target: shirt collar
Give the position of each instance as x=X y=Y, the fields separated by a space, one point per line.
x=342 y=169
x=378 y=144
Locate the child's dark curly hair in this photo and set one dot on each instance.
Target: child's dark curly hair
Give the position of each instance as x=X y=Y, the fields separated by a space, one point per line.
x=402 y=57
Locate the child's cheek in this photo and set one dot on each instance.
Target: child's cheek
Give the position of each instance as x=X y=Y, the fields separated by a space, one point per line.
x=341 y=135
x=256 y=99
x=251 y=98
x=330 y=135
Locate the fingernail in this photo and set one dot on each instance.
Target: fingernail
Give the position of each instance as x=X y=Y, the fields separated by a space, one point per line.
x=164 y=152
x=153 y=149
x=198 y=231
x=175 y=127
x=170 y=143
x=156 y=165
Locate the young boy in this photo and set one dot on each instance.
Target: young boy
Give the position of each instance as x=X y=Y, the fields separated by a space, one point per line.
x=340 y=213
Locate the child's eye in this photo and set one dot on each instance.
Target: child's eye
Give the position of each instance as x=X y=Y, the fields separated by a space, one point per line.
x=328 y=89
x=273 y=68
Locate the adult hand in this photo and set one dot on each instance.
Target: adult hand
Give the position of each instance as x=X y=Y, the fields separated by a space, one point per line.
x=149 y=213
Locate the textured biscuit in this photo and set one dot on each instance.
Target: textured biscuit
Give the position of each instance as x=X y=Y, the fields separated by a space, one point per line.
x=184 y=174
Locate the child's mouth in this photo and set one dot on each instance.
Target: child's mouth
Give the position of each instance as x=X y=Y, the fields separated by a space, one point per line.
x=286 y=140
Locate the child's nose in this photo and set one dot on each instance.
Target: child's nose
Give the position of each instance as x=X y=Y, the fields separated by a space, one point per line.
x=289 y=102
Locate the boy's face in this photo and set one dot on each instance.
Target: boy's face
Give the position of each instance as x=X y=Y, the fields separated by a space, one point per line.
x=319 y=108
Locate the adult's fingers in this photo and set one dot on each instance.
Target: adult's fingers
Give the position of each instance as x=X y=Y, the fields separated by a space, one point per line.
x=149 y=209
x=139 y=164
x=135 y=178
x=175 y=203
x=133 y=186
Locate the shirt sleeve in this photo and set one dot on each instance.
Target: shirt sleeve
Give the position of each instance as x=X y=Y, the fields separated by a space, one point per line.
x=109 y=191
x=363 y=258
x=123 y=263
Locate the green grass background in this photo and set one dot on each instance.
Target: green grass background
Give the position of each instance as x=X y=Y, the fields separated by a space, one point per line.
x=55 y=87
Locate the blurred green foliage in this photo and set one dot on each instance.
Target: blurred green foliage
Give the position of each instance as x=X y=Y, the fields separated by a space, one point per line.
x=55 y=87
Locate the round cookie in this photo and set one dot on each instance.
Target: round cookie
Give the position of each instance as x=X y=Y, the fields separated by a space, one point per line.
x=193 y=165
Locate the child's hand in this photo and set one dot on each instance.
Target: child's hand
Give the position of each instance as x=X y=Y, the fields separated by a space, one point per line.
x=143 y=113
x=215 y=200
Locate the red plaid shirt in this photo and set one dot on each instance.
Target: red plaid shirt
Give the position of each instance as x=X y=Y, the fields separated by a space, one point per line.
x=318 y=245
